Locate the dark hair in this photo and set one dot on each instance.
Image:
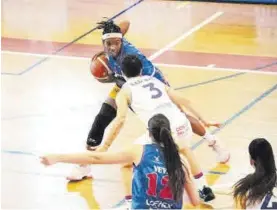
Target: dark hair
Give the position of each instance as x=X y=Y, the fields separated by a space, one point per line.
x=159 y=128
x=131 y=66
x=108 y=27
x=254 y=187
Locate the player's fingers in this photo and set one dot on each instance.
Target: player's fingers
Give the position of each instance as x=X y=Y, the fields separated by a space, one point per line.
x=215 y=125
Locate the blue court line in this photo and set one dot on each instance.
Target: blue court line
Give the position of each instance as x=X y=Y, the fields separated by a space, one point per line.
x=10 y=74
x=239 y=113
x=73 y=41
x=216 y=172
x=18 y=152
x=227 y=122
x=224 y=77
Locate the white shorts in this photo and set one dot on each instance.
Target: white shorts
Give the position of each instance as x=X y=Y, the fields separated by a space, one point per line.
x=181 y=133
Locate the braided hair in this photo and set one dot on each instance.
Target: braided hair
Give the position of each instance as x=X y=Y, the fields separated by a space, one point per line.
x=108 y=27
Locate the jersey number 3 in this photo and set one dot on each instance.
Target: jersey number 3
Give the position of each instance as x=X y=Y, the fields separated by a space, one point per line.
x=164 y=193
x=157 y=93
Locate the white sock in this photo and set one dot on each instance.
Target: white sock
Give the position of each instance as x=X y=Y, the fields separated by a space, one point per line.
x=209 y=137
x=200 y=182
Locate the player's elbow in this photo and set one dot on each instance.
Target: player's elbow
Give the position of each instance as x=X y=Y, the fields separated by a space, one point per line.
x=124 y=26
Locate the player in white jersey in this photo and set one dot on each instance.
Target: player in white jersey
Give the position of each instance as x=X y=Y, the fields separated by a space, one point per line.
x=258 y=190
x=148 y=96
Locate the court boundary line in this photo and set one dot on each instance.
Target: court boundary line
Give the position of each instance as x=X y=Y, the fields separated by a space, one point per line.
x=211 y=68
x=173 y=43
x=239 y=113
x=76 y=39
x=225 y=77
x=224 y=69
x=152 y=57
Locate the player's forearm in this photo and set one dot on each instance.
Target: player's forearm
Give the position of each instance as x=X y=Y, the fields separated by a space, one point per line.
x=88 y=158
x=193 y=111
x=116 y=126
x=78 y=158
x=124 y=26
x=183 y=103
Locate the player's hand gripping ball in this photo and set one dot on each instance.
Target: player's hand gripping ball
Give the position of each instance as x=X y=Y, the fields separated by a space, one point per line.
x=99 y=68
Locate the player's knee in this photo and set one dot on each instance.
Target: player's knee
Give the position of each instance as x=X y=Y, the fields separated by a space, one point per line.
x=108 y=109
x=184 y=149
x=105 y=116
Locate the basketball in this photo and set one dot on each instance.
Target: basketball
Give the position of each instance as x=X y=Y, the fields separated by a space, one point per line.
x=99 y=67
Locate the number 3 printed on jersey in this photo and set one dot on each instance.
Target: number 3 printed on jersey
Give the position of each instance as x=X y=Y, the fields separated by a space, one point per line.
x=157 y=93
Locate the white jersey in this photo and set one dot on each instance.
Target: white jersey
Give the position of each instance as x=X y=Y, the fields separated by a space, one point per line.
x=268 y=202
x=149 y=97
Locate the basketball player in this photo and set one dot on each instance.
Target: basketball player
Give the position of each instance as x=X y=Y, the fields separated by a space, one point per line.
x=160 y=178
x=148 y=96
x=258 y=190
x=116 y=46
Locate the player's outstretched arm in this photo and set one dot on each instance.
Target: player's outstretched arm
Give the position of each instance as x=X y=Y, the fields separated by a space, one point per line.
x=124 y=26
x=181 y=102
x=126 y=156
x=118 y=122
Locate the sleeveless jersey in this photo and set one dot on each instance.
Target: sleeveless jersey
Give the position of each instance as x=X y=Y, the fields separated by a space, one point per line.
x=127 y=49
x=150 y=188
x=149 y=97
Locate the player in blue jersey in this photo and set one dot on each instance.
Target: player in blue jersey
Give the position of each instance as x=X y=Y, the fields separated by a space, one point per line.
x=160 y=180
x=116 y=47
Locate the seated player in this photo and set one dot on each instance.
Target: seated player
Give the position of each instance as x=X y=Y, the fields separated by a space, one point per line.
x=259 y=189
x=160 y=179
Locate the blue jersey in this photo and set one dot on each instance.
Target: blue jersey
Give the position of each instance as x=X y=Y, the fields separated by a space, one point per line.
x=147 y=66
x=150 y=189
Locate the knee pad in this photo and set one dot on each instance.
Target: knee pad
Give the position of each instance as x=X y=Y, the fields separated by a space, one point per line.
x=106 y=114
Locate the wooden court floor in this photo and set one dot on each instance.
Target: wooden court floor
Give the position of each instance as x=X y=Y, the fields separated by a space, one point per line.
x=223 y=57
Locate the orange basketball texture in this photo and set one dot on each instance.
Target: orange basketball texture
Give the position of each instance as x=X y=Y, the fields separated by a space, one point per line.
x=99 y=67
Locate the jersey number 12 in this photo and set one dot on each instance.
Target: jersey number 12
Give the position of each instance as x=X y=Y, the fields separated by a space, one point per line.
x=164 y=193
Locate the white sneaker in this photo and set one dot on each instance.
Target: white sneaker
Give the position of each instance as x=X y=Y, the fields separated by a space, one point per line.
x=223 y=156
x=127 y=205
x=79 y=172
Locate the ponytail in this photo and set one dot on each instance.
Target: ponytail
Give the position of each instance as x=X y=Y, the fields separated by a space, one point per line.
x=173 y=164
x=255 y=186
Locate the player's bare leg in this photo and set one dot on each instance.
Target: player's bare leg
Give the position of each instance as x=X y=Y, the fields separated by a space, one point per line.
x=205 y=192
x=223 y=155
x=126 y=174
